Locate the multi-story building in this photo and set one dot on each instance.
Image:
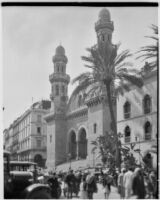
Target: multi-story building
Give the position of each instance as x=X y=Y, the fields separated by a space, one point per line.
x=72 y=125
x=29 y=134
x=8 y=138
x=137 y=114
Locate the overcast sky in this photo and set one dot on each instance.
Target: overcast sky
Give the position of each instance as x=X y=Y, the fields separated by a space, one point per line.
x=31 y=34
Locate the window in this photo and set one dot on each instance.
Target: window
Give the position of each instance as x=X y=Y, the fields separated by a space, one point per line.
x=102 y=38
x=127 y=134
x=57 y=90
x=147 y=104
x=39 y=117
x=127 y=110
x=38 y=143
x=52 y=88
x=63 y=89
x=38 y=129
x=50 y=138
x=147 y=130
x=95 y=128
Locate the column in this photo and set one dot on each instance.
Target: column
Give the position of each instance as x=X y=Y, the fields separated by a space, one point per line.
x=77 y=150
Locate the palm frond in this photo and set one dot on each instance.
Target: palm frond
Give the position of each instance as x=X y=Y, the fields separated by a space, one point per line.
x=83 y=76
x=133 y=79
x=122 y=56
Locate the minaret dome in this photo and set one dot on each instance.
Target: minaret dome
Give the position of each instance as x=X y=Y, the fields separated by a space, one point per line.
x=60 y=55
x=104 y=15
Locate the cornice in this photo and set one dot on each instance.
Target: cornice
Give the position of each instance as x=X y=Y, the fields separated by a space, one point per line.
x=136 y=117
x=78 y=113
x=54 y=116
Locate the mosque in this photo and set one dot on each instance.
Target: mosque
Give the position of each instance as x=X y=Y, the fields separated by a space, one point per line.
x=71 y=127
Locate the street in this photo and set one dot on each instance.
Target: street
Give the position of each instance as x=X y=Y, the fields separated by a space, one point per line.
x=100 y=195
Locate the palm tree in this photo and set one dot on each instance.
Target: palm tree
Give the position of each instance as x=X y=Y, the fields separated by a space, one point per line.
x=110 y=73
x=105 y=149
x=151 y=52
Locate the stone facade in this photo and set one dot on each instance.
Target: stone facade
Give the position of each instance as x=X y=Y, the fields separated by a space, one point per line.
x=74 y=123
x=71 y=127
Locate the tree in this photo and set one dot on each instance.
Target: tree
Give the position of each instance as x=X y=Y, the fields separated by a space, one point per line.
x=104 y=146
x=110 y=73
x=127 y=154
x=151 y=52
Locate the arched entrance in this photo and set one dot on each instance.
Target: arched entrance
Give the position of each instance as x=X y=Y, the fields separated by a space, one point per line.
x=82 y=150
x=72 y=145
x=39 y=160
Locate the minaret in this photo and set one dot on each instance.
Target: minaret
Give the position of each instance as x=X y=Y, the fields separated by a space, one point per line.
x=56 y=118
x=59 y=81
x=104 y=27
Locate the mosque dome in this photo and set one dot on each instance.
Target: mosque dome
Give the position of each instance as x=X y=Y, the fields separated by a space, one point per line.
x=104 y=14
x=60 y=51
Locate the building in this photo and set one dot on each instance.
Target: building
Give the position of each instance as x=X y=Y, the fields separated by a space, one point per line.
x=71 y=127
x=137 y=114
x=26 y=137
x=72 y=124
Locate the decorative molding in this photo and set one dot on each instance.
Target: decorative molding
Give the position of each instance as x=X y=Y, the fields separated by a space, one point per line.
x=78 y=113
x=139 y=116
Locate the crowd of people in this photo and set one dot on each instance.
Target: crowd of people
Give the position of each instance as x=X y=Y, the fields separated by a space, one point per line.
x=130 y=183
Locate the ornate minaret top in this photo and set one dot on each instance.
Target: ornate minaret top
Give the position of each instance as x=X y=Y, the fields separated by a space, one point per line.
x=104 y=26
x=59 y=80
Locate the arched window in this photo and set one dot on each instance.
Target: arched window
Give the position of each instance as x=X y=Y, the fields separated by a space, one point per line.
x=127 y=133
x=57 y=90
x=94 y=128
x=147 y=130
x=102 y=38
x=127 y=110
x=147 y=104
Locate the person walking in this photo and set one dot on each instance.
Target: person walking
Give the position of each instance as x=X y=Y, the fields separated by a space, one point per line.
x=91 y=185
x=127 y=182
x=70 y=180
x=121 y=189
x=106 y=182
x=138 y=184
x=83 y=187
x=53 y=183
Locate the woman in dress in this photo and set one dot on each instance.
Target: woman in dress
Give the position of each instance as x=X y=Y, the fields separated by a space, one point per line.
x=83 y=192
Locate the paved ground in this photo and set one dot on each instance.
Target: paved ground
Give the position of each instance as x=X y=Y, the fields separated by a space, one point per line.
x=100 y=195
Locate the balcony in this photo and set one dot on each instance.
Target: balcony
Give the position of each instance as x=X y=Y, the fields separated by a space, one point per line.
x=127 y=139
x=148 y=136
x=147 y=110
x=126 y=115
x=59 y=77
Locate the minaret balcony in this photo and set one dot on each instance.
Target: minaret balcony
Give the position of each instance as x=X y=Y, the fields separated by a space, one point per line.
x=101 y=24
x=57 y=77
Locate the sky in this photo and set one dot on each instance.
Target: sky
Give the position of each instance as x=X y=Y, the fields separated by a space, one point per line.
x=30 y=36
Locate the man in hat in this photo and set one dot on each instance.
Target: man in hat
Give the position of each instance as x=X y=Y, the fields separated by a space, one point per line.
x=53 y=183
x=91 y=186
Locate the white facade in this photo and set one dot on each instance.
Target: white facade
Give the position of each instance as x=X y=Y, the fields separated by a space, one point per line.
x=139 y=119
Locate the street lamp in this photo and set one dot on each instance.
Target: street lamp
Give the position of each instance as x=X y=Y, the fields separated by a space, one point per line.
x=93 y=152
x=69 y=157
